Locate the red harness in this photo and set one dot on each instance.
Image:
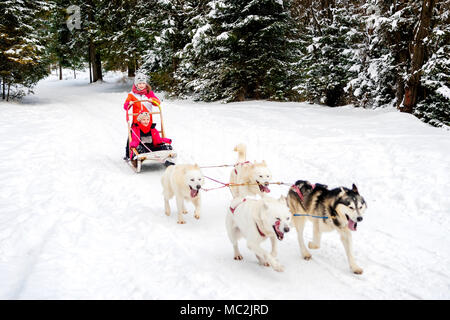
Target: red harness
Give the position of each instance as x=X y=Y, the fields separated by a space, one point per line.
x=239 y=163
x=260 y=232
x=300 y=194
x=232 y=209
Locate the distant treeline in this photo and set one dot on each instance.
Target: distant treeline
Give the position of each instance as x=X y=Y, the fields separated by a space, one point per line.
x=368 y=53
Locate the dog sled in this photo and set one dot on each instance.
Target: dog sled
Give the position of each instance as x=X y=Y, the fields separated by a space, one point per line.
x=165 y=157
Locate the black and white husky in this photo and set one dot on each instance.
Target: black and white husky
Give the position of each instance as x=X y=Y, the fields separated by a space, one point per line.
x=339 y=209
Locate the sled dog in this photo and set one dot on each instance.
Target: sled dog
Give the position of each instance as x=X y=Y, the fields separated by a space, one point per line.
x=183 y=181
x=256 y=220
x=340 y=209
x=256 y=175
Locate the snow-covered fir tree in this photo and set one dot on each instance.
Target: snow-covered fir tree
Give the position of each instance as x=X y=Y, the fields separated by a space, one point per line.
x=60 y=52
x=375 y=84
x=434 y=108
x=22 y=45
x=171 y=25
x=331 y=49
x=123 y=29
x=240 y=51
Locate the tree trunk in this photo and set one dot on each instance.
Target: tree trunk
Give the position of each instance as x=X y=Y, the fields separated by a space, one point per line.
x=131 y=68
x=7 y=97
x=60 y=71
x=92 y=57
x=96 y=62
x=90 y=64
x=3 y=95
x=74 y=73
x=412 y=84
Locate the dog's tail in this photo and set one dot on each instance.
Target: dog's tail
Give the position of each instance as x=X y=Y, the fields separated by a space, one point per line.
x=241 y=149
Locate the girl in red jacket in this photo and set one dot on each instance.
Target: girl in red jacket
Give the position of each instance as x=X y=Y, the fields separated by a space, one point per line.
x=141 y=90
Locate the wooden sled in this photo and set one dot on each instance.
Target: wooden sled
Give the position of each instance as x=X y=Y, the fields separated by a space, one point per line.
x=166 y=157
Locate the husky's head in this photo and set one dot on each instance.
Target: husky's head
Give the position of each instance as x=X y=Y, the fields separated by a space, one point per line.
x=195 y=180
x=261 y=175
x=275 y=216
x=351 y=205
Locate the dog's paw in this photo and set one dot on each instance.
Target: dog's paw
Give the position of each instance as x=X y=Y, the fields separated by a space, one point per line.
x=197 y=216
x=184 y=212
x=278 y=267
x=181 y=222
x=167 y=213
x=312 y=245
x=239 y=257
x=307 y=257
x=357 y=270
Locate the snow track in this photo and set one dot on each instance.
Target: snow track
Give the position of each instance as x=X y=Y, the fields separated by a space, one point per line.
x=77 y=223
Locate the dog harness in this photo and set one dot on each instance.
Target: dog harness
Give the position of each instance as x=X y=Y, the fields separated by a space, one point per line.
x=300 y=194
x=260 y=232
x=239 y=163
x=232 y=209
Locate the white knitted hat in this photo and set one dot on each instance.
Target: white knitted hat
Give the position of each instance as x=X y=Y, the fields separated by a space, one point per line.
x=143 y=115
x=140 y=78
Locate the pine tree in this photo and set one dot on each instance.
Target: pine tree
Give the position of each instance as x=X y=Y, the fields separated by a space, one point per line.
x=89 y=38
x=169 y=30
x=331 y=48
x=375 y=83
x=434 y=108
x=240 y=51
x=58 y=48
x=22 y=59
x=124 y=29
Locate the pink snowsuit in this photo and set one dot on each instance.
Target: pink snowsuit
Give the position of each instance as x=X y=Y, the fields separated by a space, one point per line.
x=156 y=137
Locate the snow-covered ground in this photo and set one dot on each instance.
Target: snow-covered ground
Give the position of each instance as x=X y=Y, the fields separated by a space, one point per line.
x=77 y=223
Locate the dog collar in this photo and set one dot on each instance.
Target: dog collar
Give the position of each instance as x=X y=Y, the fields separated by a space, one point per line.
x=260 y=232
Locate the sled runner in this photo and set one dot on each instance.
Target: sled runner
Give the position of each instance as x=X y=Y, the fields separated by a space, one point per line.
x=164 y=156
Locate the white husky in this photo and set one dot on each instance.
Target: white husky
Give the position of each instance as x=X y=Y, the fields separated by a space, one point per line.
x=257 y=220
x=255 y=176
x=183 y=181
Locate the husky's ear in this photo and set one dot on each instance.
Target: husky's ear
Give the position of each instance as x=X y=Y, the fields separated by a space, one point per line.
x=355 y=189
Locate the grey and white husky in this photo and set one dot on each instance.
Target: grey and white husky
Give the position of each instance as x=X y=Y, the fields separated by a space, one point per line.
x=339 y=209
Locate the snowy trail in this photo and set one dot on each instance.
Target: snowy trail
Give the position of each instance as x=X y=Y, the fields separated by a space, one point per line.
x=77 y=223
